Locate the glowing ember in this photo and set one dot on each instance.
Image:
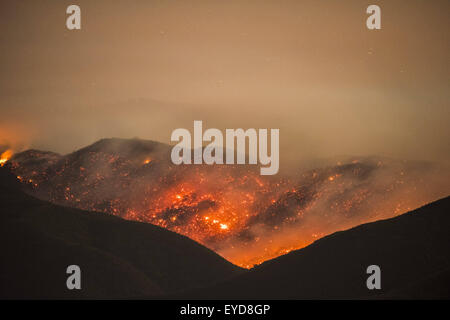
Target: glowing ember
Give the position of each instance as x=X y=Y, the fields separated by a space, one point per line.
x=5 y=156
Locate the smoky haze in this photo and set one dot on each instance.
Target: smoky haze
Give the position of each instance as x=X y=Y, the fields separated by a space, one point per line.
x=313 y=70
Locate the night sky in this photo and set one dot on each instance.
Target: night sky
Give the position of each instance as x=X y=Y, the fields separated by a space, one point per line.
x=311 y=68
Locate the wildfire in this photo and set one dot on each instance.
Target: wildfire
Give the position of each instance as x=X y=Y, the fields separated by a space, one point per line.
x=205 y=210
x=5 y=156
x=245 y=217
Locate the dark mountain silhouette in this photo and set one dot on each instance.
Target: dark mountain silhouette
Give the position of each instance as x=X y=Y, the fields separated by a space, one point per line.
x=118 y=258
x=412 y=250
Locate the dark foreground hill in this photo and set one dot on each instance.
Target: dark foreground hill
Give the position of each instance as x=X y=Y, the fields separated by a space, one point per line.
x=118 y=258
x=412 y=250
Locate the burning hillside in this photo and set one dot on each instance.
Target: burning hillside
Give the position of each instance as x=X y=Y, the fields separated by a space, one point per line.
x=245 y=217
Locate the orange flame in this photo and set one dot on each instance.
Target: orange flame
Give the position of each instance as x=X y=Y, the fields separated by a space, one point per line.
x=5 y=156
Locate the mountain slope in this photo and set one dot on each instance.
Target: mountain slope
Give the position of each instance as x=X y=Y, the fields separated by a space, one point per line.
x=118 y=258
x=245 y=217
x=412 y=250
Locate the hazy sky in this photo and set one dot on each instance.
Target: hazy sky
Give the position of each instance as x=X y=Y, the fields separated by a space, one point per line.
x=310 y=68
